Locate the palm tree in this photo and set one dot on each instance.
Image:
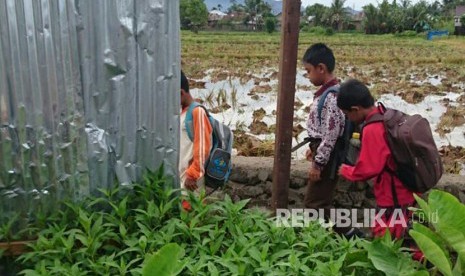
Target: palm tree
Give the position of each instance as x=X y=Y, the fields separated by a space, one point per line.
x=385 y=16
x=337 y=13
x=317 y=11
x=371 y=19
x=417 y=16
x=257 y=7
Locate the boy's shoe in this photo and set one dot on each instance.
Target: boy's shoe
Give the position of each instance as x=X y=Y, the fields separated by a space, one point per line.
x=354 y=232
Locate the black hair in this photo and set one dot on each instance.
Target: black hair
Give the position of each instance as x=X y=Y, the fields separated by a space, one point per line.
x=320 y=53
x=184 y=82
x=354 y=93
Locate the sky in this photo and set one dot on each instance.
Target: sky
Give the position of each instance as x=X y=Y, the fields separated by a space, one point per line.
x=355 y=4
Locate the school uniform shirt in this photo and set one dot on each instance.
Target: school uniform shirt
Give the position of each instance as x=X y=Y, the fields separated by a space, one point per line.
x=374 y=156
x=331 y=127
x=193 y=154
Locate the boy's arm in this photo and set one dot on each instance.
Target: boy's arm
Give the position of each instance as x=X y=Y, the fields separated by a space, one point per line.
x=202 y=143
x=374 y=154
x=332 y=122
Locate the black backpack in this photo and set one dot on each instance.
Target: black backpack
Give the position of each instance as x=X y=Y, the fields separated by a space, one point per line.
x=341 y=148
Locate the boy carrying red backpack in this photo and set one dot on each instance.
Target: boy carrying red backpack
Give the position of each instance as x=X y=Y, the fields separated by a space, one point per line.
x=397 y=151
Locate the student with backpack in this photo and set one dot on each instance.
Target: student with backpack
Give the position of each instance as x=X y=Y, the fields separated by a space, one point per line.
x=193 y=153
x=389 y=152
x=325 y=127
x=205 y=145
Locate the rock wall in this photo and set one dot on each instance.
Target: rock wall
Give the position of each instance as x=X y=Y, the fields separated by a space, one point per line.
x=252 y=178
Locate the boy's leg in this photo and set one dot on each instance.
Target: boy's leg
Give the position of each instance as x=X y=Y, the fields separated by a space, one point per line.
x=398 y=226
x=320 y=195
x=396 y=220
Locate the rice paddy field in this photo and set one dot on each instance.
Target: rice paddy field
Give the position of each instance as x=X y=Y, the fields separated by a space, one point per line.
x=235 y=75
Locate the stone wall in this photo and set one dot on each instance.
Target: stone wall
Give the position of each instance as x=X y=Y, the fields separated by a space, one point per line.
x=252 y=178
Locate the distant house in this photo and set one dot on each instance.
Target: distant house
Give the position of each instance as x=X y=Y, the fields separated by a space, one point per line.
x=214 y=16
x=279 y=20
x=310 y=19
x=357 y=21
x=459 y=12
x=233 y=21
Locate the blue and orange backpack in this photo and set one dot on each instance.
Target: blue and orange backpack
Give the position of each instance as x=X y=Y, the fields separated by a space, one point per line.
x=218 y=165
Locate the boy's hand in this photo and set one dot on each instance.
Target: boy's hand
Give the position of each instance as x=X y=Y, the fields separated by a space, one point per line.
x=191 y=184
x=339 y=171
x=308 y=155
x=314 y=174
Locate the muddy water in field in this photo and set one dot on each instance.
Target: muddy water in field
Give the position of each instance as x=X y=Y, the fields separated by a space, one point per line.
x=248 y=104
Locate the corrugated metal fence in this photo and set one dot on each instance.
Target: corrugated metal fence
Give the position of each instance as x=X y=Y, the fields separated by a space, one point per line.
x=87 y=94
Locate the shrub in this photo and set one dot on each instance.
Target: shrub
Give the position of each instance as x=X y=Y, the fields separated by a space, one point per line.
x=317 y=30
x=270 y=24
x=116 y=233
x=445 y=236
x=329 y=31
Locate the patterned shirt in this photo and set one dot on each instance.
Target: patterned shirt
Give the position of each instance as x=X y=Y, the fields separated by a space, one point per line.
x=331 y=127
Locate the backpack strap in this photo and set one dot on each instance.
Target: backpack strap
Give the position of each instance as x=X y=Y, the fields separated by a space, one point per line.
x=379 y=117
x=188 y=121
x=393 y=186
x=321 y=101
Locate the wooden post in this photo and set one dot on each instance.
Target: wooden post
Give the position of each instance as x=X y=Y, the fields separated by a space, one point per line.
x=285 y=107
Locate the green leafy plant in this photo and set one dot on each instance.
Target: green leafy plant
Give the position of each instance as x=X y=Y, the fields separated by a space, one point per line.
x=165 y=262
x=107 y=235
x=388 y=256
x=444 y=241
x=6 y=230
x=137 y=229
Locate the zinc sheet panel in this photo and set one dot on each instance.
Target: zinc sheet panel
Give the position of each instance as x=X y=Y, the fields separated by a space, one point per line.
x=89 y=92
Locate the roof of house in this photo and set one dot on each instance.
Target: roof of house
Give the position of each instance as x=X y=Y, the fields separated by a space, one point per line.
x=216 y=15
x=217 y=12
x=459 y=10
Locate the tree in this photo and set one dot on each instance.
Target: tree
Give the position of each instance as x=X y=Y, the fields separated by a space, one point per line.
x=417 y=16
x=435 y=8
x=194 y=14
x=397 y=17
x=257 y=7
x=256 y=11
x=449 y=5
x=337 y=13
x=371 y=19
x=236 y=8
x=270 y=24
x=318 y=12
x=384 y=16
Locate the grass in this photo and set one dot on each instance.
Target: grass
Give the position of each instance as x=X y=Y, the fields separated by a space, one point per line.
x=374 y=59
x=257 y=50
